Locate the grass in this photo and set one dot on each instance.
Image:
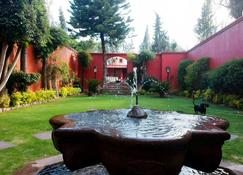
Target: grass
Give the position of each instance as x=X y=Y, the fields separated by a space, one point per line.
x=18 y=126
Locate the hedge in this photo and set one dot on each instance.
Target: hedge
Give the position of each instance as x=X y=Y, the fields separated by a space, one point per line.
x=182 y=73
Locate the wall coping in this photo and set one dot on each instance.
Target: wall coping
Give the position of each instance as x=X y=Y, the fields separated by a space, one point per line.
x=237 y=21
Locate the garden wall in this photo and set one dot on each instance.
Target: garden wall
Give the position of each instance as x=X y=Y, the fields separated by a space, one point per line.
x=225 y=45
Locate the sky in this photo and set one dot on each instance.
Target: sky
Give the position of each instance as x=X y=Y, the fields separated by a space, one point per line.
x=178 y=18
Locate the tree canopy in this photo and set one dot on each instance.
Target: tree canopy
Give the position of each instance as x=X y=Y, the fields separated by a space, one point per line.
x=235 y=7
x=105 y=19
x=160 y=39
x=205 y=25
x=146 y=45
x=20 y=23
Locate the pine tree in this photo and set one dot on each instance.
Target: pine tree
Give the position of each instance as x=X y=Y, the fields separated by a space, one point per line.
x=62 y=21
x=105 y=19
x=235 y=7
x=160 y=39
x=205 y=26
x=145 y=45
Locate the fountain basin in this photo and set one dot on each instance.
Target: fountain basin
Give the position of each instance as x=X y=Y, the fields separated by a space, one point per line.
x=160 y=144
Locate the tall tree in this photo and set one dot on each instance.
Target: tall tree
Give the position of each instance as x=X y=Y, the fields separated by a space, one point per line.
x=105 y=19
x=235 y=7
x=146 y=45
x=62 y=21
x=160 y=39
x=205 y=26
x=57 y=38
x=18 y=24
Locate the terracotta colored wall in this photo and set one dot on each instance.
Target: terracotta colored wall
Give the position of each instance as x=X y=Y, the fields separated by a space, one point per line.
x=224 y=46
x=172 y=60
x=155 y=68
x=34 y=65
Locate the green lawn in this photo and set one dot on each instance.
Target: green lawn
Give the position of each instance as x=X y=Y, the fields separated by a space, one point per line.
x=19 y=125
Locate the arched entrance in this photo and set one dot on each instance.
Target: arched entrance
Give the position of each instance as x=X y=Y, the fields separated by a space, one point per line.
x=116 y=69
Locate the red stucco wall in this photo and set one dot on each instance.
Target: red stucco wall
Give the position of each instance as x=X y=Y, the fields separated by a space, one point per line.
x=155 y=68
x=223 y=46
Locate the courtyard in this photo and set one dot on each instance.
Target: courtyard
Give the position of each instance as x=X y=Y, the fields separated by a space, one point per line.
x=19 y=126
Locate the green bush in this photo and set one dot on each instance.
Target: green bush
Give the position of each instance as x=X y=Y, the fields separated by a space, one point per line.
x=69 y=91
x=4 y=101
x=186 y=93
x=16 y=99
x=93 y=86
x=196 y=77
x=228 y=78
x=63 y=92
x=218 y=99
x=20 y=81
x=208 y=94
x=182 y=73
x=148 y=83
x=161 y=88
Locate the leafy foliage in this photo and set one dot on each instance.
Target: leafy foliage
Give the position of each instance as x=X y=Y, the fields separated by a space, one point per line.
x=84 y=58
x=101 y=18
x=93 y=86
x=20 y=81
x=196 y=77
x=62 y=21
x=146 y=46
x=160 y=40
x=228 y=78
x=235 y=7
x=4 y=101
x=205 y=26
x=182 y=73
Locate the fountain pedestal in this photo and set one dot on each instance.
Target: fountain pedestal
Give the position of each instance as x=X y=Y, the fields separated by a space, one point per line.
x=137 y=112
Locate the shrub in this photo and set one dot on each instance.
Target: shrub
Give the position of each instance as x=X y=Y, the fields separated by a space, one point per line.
x=16 y=99
x=218 y=99
x=182 y=73
x=196 y=76
x=4 y=101
x=63 y=92
x=186 y=93
x=20 y=81
x=228 y=78
x=208 y=94
x=161 y=88
x=93 y=86
x=69 y=91
x=148 y=83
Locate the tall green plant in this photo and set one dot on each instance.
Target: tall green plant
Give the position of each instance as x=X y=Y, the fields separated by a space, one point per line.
x=196 y=76
x=57 y=38
x=105 y=19
x=85 y=60
x=182 y=73
x=140 y=61
x=205 y=25
x=18 y=26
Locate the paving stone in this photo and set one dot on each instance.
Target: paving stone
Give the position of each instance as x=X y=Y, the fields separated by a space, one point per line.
x=5 y=145
x=43 y=136
x=233 y=137
x=232 y=166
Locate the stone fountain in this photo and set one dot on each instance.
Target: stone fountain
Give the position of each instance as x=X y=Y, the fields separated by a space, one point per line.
x=140 y=142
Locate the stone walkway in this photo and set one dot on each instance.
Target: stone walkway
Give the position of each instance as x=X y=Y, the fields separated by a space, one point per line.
x=5 y=145
x=237 y=168
x=43 y=136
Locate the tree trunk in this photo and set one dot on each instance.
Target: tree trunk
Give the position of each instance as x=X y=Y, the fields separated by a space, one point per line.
x=3 y=57
x=44 y=73
x=82 y=77
x=5 y=78
x=104 y=59
x=23 y=65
